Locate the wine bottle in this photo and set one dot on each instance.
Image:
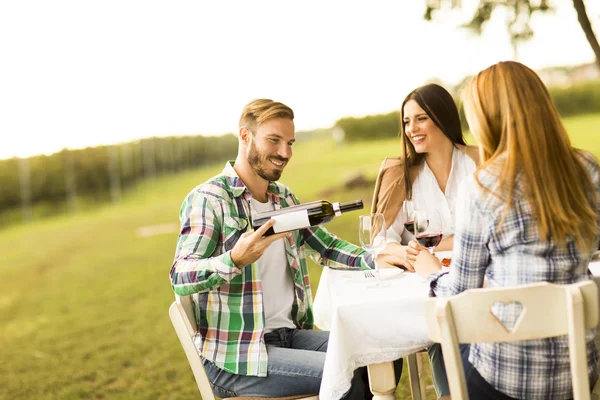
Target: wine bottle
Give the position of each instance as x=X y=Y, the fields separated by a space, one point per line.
x=304 y=215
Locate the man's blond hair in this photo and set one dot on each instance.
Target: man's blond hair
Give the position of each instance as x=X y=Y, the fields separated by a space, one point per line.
x=258 y=111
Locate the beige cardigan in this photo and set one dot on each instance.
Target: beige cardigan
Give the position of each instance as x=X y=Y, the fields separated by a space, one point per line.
x=389 y=190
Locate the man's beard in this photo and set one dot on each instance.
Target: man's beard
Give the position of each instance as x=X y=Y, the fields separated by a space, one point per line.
x=257 y=161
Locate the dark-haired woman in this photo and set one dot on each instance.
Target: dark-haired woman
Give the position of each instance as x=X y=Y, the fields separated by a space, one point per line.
x=434 y=161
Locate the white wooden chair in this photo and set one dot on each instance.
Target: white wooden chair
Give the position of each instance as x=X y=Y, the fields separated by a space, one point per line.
x=181 y=313
x=467 y=318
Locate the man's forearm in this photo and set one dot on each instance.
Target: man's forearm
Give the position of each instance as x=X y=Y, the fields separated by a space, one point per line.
x=334 y=252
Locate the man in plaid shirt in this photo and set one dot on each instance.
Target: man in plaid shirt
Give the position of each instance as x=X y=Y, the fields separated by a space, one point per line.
x=252 y=295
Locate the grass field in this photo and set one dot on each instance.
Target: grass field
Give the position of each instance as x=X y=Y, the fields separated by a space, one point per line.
x=84 y=299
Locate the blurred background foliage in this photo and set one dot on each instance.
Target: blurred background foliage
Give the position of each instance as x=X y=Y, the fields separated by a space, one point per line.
x=75 y=180
x=72 y=180
x=517 y=19
x=577 y=99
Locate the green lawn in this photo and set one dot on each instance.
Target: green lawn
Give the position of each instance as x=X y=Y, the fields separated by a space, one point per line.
x=83 y=299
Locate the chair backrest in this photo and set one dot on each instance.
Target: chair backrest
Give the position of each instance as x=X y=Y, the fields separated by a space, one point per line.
x=181 y=313
x=468 y=318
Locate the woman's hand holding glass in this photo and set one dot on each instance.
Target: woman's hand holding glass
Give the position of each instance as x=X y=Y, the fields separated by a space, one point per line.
x=426 y=263
x=412 y=251
x=428 y=230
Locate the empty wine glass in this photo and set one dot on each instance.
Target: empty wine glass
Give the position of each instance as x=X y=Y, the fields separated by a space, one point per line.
x=428 y=229
x=371 y=235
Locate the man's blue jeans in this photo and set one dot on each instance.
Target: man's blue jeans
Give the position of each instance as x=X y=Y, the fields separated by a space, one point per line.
x=296 y=360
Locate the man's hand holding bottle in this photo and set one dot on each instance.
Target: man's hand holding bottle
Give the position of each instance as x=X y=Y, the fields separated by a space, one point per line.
x=252 y=244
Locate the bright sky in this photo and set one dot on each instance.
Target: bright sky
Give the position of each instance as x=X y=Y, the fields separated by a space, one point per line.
x=83 y=73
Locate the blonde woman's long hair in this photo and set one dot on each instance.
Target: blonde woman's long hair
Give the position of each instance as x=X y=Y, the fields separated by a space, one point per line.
x=511 y=114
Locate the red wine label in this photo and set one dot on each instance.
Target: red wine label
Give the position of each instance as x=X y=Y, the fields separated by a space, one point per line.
x=291 y=221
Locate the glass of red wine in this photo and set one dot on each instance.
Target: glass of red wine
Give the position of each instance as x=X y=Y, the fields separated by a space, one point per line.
x=428 y=229
x=408 y=213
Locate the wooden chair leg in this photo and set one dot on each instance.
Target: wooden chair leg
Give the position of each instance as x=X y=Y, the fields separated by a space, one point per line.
x=421 y=372
x=413 y=375
x=382 y=380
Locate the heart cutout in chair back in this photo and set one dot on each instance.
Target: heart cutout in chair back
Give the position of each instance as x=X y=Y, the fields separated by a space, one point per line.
x=508 y=314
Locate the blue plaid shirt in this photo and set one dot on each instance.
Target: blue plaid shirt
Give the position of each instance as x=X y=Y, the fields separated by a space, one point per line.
x=510 y=256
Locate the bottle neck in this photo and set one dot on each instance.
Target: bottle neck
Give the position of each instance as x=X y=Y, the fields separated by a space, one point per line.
x=349 y=206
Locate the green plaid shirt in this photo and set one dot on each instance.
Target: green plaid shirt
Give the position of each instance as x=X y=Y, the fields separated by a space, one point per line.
x=229 y=300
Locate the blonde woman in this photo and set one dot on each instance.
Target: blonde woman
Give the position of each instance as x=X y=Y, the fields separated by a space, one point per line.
x=530 y=214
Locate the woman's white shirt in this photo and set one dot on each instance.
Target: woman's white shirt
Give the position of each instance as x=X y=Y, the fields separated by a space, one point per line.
x=427 y=196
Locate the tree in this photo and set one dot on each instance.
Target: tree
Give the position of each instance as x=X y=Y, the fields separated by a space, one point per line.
x=518 y=21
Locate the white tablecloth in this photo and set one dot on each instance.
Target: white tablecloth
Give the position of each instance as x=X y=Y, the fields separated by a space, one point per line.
x=367 y=325
x=370 y=325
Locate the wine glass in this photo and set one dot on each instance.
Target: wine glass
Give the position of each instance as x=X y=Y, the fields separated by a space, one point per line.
x=371 y=235
x=408 y=214
x=428 y=229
